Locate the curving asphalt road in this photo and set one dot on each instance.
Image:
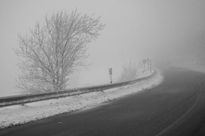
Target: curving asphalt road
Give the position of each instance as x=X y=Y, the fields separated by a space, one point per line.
x=174 y=108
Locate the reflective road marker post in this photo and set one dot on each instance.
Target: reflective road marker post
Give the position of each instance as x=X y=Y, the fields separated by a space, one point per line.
x=110 y=73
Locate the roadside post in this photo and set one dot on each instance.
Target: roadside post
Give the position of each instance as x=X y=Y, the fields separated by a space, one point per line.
x=110 y=73
x=144 y=63
x=149 y=63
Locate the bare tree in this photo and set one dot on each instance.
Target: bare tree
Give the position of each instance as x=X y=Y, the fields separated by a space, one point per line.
x=129 y=72
x=53 y=50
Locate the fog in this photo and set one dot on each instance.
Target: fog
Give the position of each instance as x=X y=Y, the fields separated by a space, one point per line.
x=163 y=30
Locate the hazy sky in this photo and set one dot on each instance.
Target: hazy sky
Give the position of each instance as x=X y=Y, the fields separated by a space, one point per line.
x=134 y=29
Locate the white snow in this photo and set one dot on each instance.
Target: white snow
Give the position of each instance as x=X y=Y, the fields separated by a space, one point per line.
x=19 y=114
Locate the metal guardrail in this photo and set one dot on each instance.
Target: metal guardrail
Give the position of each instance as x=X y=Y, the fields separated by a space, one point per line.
x=22 y=99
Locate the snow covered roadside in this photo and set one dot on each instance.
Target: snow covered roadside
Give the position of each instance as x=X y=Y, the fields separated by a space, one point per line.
x=18 y=114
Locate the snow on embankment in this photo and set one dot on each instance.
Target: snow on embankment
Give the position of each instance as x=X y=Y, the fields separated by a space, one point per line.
x=19 y=114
